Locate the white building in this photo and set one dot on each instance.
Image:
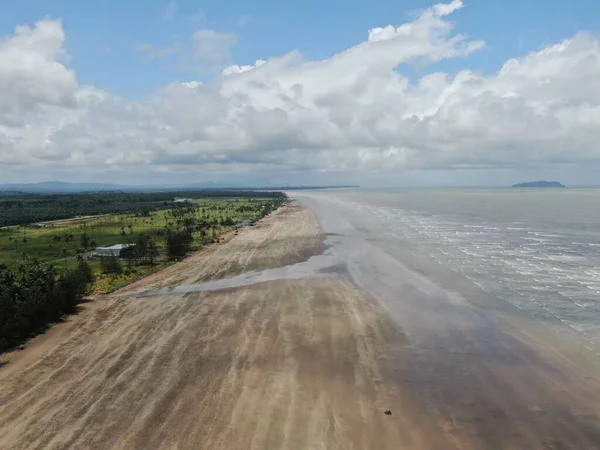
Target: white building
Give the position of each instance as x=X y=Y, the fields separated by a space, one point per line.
x=113 y=250
x=182 y=200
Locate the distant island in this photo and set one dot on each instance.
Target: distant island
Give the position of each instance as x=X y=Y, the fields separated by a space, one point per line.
x=539 y=184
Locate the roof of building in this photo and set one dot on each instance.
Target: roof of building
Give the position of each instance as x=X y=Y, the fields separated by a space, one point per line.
x=115 y=247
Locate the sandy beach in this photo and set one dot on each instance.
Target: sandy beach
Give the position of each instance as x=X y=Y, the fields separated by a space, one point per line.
x=283 y=364
x=296 y=334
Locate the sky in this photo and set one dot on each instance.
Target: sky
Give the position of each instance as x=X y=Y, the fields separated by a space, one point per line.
x=378 y=93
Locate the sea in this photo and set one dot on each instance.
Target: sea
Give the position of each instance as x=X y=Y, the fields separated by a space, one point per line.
x=537 y=249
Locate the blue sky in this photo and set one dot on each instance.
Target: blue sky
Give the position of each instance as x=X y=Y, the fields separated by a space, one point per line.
x=102 y=36
x=462 y=92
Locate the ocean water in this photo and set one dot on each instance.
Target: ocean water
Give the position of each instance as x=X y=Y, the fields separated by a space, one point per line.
x=538 y=249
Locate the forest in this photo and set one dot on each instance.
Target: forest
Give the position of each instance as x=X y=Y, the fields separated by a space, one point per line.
x=25 y=208
x=36 y=295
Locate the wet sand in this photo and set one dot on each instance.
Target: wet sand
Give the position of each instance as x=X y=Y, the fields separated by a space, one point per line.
x=298 y=364
x=489 y=374
x=306 y=333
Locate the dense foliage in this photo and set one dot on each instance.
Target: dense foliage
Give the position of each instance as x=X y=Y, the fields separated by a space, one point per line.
x=19 y=209
x=111 y=266
x=35 y=295
x=178 y=242
x=144 y=250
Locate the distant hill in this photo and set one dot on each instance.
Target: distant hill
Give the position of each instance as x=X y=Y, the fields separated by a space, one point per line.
x=65 y=187
x=58 y=186
x=539 y=184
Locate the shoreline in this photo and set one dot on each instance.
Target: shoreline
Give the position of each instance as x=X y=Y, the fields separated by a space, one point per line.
x=291 y=359
x=300 y=363
x=469 y=352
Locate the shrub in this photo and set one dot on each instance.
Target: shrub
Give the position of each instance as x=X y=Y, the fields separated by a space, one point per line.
x=111 y=266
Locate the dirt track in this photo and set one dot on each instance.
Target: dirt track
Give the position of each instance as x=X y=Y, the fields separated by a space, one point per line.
x=299 y=364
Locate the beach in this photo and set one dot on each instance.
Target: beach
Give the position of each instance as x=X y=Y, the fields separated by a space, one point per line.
x=298 y=333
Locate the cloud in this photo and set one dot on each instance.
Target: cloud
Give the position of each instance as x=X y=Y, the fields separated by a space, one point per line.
x=353 y=114
x=206 y=51
x=241 y=69
x=24 y=56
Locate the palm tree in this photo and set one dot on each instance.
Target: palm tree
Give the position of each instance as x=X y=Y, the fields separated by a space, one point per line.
x=85 y=240
x=65 y=255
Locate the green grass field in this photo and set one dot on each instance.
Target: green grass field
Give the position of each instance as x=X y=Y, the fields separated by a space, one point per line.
x=61 y=241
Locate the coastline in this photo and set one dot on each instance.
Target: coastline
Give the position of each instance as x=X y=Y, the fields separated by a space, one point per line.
x=298 y=333
x=298 y=363
x=490 y=374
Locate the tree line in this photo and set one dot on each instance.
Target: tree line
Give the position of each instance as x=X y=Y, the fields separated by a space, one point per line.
x=36 y=295
x=20 y=209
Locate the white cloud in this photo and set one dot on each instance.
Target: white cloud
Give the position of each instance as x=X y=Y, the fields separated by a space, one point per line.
x=31 y=74
x=241 y=69
x=351 y=113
